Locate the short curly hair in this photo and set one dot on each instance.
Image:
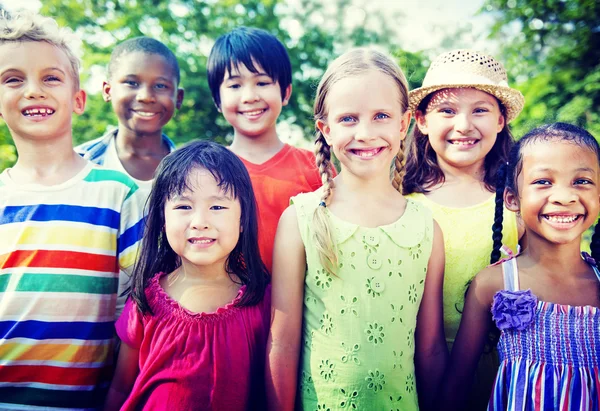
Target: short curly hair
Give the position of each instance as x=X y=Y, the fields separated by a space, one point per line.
x=26 y=26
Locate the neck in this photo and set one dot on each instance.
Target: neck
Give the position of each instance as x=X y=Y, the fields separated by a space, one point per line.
x=452 y=174
x=248 y=147
x=371 y=188
x=140 y=143
x=46 y=162
x=206 y=274
x=557 y=258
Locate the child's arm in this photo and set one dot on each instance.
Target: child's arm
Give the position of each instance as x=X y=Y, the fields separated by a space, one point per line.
x=287 y=293
x=125 y=375
x=475 y=325
x=431 y=353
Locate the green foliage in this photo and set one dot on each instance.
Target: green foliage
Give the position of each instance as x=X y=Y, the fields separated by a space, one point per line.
x=553 y=49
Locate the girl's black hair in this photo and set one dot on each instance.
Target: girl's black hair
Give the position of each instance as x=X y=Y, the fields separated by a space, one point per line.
x=171 y=179
x=548 y=132
x=422 y=169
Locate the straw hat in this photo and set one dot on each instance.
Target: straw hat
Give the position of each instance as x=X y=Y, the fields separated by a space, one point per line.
x=469 y=69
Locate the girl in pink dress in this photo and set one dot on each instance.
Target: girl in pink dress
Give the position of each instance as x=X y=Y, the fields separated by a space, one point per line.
x=194 y=330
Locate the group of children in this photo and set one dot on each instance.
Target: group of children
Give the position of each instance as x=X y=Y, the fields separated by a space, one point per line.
x=255 y=276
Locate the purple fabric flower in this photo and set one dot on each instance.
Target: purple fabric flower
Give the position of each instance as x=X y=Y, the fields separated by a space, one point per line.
x=513 y=309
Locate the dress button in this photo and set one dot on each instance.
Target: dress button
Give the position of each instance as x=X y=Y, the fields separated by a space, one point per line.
x=372 y=239
x=374 y=262
x=377 y=286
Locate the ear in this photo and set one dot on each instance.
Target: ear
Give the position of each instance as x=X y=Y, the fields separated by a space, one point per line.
x=180 y=94
x=501 y=123
x=325 y=130
x=106 y=91
x=421 y=122
x=511 y=201
x=79 y=101
x=405 y=122
x=288 y=94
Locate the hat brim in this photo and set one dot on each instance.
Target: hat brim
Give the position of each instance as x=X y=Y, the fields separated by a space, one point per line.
x=512 y=100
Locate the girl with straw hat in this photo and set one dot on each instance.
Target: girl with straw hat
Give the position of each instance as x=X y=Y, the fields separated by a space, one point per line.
x=460 y=140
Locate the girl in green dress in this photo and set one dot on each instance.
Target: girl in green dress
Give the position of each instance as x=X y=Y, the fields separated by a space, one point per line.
x=358 y=269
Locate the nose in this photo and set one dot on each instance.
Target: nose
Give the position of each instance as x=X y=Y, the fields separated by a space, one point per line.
x=463 y=123
x=145 y=94
x=249 y=94
x=34 y=90
x=200 y=220
x=364 y=131
x=563 y=195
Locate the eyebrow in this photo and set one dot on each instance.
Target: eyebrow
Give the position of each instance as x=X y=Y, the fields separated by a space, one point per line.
x=158 y=78
x=259 y=74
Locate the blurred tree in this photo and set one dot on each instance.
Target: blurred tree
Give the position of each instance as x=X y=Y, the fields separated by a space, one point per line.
x=553 y=49
x=312 y=33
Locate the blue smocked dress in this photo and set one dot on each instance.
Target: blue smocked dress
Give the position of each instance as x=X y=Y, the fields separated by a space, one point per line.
x=549 y=353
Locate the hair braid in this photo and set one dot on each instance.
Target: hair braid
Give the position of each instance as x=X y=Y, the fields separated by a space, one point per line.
x=323 y=233
x=498 y=214
x=399 y=168
x=595 y=245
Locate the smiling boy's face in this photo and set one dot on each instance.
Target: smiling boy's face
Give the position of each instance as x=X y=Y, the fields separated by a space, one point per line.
x=143 y=92
x=251 y=102
x=38 y=93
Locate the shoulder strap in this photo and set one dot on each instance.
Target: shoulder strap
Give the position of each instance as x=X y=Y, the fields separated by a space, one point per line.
x=511 y=275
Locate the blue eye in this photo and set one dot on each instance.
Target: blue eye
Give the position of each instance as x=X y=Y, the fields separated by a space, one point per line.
x=381 y=116
x=347 y=119
x=480 y=110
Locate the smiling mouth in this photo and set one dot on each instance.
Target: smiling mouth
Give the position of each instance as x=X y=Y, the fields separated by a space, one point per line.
x=562 y=219
x=38 y=112
x=146 y=114
x=253 y=113
x=463 y=142
x=201 y=241
x=366 y=153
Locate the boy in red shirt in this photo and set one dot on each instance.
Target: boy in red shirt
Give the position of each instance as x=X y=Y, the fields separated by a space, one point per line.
x=250 y=78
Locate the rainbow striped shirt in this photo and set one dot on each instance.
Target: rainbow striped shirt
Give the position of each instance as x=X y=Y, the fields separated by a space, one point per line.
x=61 y=248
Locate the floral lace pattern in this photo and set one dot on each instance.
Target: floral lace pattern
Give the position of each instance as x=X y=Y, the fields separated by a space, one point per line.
x=359 y=324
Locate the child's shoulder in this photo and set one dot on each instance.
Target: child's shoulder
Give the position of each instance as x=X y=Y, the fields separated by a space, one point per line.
x=95 y=149
x=488 y=282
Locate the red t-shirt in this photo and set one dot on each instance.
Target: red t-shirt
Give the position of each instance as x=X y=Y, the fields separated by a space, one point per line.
x=289 y=172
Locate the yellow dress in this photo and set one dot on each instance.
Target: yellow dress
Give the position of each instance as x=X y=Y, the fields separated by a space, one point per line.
x=468 y=245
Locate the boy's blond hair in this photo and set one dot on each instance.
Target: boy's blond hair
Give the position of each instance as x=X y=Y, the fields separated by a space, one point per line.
x=24 y=26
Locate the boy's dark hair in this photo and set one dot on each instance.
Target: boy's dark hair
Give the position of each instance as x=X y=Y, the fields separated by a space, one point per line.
x=156 y=255
x=507 y=178
x=422 y=169
x=143 y=45
x=248 y=46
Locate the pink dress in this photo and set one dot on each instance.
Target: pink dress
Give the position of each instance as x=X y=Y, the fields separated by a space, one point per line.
x=193 y=361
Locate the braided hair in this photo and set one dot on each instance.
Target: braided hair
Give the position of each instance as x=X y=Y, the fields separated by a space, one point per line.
x=351 y=63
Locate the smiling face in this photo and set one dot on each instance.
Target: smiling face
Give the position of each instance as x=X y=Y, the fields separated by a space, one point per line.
x=462 y=125
x=37 y=91
x=558 y=190
x=365 y=123
x=251 y=102
x=143 y=91
x=203 y=224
